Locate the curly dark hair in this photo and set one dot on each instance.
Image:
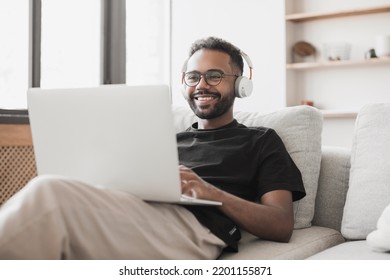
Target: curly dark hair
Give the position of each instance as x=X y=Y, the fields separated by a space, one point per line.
x=214 y=43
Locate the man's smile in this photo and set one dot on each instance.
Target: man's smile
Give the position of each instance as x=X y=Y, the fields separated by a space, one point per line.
x=204 y=98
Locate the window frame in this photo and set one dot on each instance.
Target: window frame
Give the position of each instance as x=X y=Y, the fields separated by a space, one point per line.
x=35 y=43
x=113 y=42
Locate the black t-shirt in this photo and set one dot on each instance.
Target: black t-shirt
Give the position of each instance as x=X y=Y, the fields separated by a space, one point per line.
x=244 y=161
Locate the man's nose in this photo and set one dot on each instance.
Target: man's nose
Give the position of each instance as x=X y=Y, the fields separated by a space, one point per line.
x=202 y=82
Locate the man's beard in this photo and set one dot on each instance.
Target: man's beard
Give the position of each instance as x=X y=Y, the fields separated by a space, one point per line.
x=212 y=111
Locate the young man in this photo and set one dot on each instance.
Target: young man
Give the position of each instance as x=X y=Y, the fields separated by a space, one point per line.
x=248 y=169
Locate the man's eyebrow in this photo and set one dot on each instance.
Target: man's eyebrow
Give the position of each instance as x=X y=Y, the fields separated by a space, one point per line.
x=218 y=70
x=195 y=71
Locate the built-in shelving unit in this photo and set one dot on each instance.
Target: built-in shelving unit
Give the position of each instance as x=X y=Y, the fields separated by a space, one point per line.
x=299 y=73
x=301 y=17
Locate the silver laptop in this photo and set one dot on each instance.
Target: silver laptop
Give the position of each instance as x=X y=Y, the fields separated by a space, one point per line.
x=113 y=136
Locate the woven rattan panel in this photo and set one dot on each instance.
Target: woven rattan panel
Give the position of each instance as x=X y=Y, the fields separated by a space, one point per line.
x=17 y=167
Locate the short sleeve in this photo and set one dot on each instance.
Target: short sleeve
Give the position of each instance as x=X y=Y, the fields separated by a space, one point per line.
x=277 y=170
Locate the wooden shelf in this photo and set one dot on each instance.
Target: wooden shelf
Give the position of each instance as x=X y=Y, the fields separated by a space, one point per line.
x=340 y=63
x=301 y=17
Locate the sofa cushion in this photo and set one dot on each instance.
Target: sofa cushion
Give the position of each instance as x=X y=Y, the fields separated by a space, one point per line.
x=351 y=250
x=303 y=243
x=300 y=129
x=369 y=184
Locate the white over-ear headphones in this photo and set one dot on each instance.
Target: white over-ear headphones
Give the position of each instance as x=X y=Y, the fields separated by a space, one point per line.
x=243 y=85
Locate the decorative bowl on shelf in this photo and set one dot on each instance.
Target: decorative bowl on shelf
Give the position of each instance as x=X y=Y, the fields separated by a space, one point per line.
x=301 y=50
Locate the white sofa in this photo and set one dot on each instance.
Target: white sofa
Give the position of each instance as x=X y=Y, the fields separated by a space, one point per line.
x=347 y=191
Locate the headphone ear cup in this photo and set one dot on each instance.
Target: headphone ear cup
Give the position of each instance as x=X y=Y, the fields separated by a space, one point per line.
x=243 y=87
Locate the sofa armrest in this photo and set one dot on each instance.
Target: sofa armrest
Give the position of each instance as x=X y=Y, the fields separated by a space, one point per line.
x=332 y=187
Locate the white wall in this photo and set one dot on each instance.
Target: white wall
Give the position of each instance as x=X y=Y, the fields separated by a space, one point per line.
x=338 y=132
x=256 y=27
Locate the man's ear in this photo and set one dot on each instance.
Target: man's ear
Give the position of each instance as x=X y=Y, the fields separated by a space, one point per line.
x=183 y=89
x=183 y=85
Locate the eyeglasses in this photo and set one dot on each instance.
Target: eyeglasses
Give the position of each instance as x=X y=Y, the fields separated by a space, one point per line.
x=212 y=77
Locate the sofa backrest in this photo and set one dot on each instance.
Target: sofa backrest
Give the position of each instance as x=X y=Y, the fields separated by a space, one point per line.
x=300 y=129
x=332 y=187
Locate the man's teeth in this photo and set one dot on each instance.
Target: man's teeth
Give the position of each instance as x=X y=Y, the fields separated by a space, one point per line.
x=204 y=98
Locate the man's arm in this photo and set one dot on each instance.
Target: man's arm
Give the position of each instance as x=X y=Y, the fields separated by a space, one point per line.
x=271 y=219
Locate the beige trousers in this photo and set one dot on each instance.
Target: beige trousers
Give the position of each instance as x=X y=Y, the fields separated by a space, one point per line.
x=56 y=218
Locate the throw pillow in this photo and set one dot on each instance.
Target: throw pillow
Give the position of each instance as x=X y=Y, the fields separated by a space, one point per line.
x=300 y=129
x=379 y=240
x=369 y=185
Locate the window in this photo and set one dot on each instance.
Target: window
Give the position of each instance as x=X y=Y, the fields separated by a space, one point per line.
x=14 y=46
x=147 y=41
x=81 y=43
x=70 y=46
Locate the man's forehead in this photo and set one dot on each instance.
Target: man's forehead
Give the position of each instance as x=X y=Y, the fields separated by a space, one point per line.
x=209 y=59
